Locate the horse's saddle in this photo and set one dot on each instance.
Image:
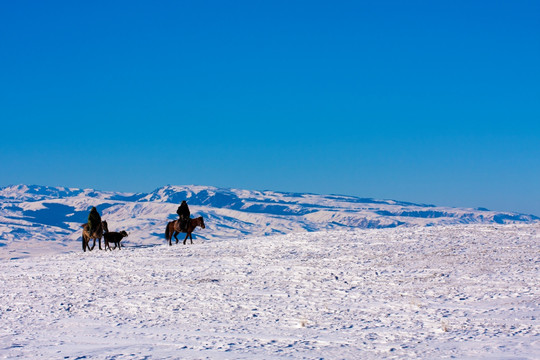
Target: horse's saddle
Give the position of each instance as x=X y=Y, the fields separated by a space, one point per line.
x=181 y=225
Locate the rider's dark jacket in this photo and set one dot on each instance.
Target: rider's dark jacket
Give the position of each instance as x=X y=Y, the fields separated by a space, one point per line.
x=183 y=210
x=93 y=219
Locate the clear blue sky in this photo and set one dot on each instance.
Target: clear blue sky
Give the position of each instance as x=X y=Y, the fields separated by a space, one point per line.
x=425 y=101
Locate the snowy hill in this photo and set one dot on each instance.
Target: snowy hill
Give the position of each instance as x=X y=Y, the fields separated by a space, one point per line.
x=463 y=291
x=38 y=219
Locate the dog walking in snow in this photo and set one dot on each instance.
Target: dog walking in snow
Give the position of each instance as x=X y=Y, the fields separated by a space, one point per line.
x=115 y=238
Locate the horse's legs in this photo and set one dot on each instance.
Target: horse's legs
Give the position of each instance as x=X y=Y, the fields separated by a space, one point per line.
x=187 y=234
x=100 y=243
x=93 y=245
x=176 y=236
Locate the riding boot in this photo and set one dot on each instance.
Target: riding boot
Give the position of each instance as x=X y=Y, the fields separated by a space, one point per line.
x=182 y=222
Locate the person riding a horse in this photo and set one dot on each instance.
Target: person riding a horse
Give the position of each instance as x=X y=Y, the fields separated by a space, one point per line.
x=184 y=214
x=93 y=220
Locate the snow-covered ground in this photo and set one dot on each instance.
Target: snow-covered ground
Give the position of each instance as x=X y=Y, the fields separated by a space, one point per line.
x=462 y=291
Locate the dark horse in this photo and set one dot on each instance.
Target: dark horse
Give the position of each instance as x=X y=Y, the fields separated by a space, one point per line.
x=96 y=234
x=173 y=228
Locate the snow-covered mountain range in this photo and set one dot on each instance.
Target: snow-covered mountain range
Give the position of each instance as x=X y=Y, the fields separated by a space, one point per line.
x=42 y=218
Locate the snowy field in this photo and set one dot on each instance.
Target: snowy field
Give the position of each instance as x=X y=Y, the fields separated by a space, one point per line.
x=463 y=291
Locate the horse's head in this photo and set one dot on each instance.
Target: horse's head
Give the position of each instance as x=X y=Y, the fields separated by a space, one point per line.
x=201 y=222
x=105 y=226
x=123 y=233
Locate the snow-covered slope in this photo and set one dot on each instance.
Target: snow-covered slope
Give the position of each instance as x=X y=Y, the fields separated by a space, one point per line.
x=463 y=291
x=38 y=219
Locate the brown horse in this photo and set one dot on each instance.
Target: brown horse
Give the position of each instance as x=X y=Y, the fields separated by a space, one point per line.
x=96 y=234
x=173 y=228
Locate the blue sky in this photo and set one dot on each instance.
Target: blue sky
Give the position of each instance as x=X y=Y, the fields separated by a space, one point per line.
x=423 y=101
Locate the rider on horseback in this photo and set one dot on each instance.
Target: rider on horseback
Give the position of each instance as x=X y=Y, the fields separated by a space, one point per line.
x=184 y=214
x=93 y=220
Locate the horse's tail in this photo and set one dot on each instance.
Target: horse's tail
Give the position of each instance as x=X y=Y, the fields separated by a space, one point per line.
x=82 y=238
x=167 y=231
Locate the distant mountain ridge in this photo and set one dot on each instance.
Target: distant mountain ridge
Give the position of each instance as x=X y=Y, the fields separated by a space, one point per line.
x=32 y=213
